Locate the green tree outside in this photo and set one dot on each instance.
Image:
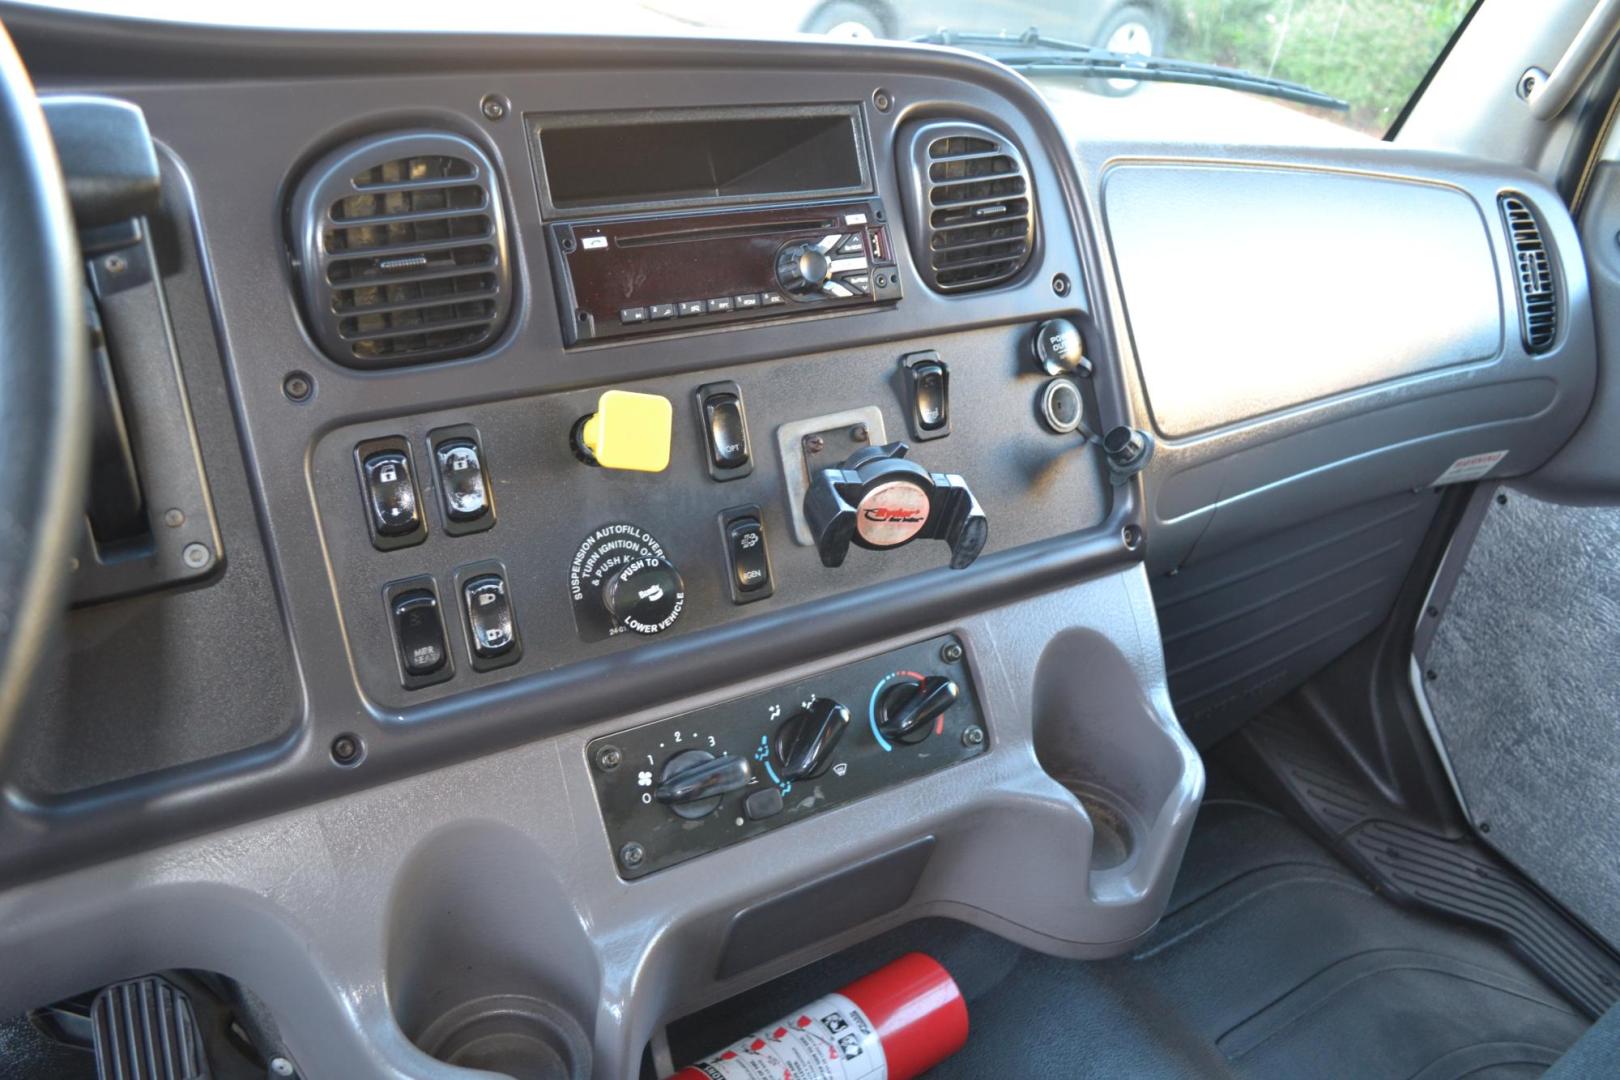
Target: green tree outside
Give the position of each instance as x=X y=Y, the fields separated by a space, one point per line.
x=1371 y=53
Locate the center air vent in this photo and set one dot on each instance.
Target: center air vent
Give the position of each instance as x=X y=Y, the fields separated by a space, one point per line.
x=400 y=246
x=1538 y=290
x=971 y=207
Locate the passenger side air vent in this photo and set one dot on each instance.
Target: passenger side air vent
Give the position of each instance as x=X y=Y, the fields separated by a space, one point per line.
x=1538 y=291
x=400 y=247
x=971 y=208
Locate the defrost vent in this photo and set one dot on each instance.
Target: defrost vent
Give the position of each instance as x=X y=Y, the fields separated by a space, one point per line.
x=972 y=209
x=1538 y=289
x=401 y=250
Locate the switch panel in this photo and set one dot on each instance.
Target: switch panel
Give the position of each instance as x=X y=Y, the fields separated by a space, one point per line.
x=462 y=468
x=688 y=785
x=388 y=493
x=725 y=430
x=417 y=621
x=748 y=558
x=929 y=384
x=488 y=616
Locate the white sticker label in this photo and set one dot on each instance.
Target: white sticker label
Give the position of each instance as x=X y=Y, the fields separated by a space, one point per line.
x=1472 y=467
x=829 y=1039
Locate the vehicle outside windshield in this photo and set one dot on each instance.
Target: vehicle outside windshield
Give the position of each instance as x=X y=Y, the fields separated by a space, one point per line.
x=1371 y=55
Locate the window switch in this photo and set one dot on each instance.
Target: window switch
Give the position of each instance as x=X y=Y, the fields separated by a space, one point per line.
x=930 y=385
x=462 y=467
x=388 y=489
x=747 y=556
x=492 y=629
x=725 y=430
x=418 y=624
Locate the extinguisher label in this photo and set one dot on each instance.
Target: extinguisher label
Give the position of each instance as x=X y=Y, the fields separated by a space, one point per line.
x=829 y=1039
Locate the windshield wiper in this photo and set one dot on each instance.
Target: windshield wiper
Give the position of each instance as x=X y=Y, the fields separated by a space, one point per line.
x=1030 y=51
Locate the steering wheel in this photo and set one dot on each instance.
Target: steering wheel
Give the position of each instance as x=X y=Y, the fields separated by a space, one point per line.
x=44 y=389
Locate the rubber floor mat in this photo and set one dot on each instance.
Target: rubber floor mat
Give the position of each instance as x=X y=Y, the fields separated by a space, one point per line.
x=1274 y=961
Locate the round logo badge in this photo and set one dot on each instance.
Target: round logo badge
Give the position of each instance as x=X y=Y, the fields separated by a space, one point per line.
x=891 y=513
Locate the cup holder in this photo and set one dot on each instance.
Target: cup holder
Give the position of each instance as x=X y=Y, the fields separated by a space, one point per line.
x=488 y=963
x=1116 y=828
x=513 y=1034
x=1099 y=734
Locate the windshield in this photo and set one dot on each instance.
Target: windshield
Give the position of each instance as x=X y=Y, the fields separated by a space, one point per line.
x=1371 y=54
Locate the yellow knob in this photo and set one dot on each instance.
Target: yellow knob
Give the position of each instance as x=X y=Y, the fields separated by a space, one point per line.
x=629 y=431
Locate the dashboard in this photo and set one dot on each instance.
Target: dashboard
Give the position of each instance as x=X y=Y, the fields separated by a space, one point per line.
x=629 y=536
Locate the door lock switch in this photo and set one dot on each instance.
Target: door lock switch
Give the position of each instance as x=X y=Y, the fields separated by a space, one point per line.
x=388 y=489
x=463 y=475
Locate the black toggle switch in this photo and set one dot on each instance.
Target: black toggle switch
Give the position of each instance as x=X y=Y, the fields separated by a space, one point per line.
x=393 y=509
x=746 y=554
x=391 y=494
x=419 y=635
x=930 y=392
x=491 y=624
x=725 y=430
x=462 y=467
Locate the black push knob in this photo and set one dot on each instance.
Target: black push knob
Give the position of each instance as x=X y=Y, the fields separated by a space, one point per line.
x=645 y=596
x=693 y=782
x=806 y=740
x=802 y=268
x=1058 y=349
x=907 y=710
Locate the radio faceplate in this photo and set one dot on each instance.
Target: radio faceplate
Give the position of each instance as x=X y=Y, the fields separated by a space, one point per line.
x=656 y=274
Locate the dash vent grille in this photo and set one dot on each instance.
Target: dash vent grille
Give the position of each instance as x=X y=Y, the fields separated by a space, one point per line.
x=1538 y=289
x=972 y=206
x=402 y=251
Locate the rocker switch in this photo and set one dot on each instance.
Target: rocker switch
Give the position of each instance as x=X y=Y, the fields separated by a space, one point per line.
x=930 y=384
x=725 y=430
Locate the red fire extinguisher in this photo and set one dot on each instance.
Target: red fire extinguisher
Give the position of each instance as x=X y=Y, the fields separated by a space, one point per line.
x=894 y=1024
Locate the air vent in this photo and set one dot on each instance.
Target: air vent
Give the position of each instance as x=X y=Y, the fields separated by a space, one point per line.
x=401 y=250
x=1538 y=291
x=971 y=208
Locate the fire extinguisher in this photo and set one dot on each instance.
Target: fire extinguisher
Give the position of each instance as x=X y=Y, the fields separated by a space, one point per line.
x=894 y=1024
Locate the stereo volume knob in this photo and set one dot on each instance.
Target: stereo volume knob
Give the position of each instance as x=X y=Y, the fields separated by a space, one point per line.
x=645 y=595
x=802 y=269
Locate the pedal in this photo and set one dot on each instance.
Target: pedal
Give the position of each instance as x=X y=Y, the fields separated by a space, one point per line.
x=146 y=1029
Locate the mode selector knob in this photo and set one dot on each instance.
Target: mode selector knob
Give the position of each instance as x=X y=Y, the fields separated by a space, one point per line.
x=806 y=740
x=802 y=268
x=646 y=595
x=906 y=711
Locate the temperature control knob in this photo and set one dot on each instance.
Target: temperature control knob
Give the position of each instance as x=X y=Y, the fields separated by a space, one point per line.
x=908 y=710
x=802 y=268
x=693 y=782
x=645 y=595
x=806 y=740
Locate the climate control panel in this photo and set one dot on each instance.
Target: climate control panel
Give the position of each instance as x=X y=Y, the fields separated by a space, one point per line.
x=675 y=789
